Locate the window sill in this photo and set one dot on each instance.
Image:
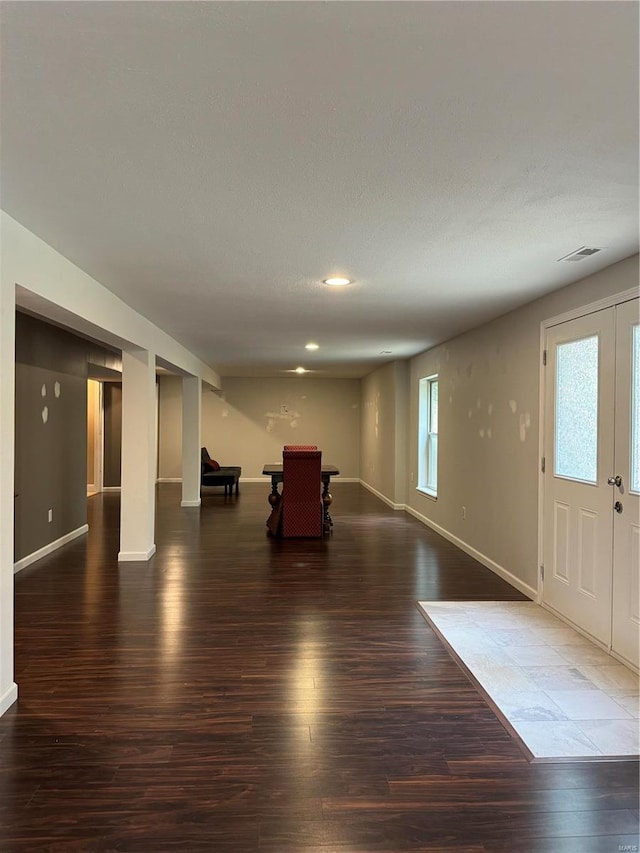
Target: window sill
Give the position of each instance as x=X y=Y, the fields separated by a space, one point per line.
x=428 y=493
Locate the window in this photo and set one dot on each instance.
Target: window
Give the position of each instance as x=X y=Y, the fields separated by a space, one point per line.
x=576 y=452
x=428 y=436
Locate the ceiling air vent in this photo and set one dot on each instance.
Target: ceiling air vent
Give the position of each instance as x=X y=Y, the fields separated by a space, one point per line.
x=581 y=254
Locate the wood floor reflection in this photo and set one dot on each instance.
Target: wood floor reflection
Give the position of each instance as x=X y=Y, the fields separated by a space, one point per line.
x=238 y=693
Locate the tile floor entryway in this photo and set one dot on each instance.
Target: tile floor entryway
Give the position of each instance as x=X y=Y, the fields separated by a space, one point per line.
x=561 y=694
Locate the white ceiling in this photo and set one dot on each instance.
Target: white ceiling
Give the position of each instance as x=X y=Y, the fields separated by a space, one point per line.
x=212 y=162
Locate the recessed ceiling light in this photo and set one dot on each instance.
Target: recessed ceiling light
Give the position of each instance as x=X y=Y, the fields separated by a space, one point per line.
x=338 y=281
x=311 y=345
x=300 y=370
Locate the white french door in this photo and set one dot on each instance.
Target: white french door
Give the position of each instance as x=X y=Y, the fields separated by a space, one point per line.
x=626 y=489
x=591 y=531
x=578 y=528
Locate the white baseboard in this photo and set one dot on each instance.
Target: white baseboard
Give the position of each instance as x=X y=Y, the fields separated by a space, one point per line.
x=8 y=698
x=169 y=480
x=380 y=495
x=190 y=503
x=47 y=549
x=136 y=556
x=477 y=555
x=111 y=488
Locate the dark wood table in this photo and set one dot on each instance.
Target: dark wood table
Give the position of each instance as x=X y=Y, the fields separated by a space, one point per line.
x=274 y=470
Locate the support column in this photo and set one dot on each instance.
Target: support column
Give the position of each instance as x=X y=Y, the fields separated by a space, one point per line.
x=191 y=410
x=8 y=687
x=138 y=481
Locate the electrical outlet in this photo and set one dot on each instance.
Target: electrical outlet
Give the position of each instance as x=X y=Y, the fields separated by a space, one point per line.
x=50 y=516
x=464 y=513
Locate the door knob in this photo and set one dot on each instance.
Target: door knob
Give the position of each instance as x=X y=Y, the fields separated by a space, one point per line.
x=615 y=481
x=617 y=506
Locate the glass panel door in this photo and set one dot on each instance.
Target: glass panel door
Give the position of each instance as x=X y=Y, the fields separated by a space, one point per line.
x=578 y=447
x=625 y=488
x=634 y=479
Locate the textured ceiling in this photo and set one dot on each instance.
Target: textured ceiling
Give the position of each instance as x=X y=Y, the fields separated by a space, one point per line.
x=211 y=163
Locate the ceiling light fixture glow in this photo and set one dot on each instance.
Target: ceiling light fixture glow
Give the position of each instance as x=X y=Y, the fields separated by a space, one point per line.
x=338 y=281
x=311 y=345
x=300 y=370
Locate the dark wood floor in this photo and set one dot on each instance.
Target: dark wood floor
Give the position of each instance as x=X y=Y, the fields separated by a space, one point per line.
x=239 y=693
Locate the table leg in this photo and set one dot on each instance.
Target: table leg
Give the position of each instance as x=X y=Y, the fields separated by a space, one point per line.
x=327 y=500
x=274 y=502
x=274 y=497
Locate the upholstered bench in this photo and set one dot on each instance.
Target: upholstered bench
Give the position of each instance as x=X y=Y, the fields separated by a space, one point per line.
x=228 y=476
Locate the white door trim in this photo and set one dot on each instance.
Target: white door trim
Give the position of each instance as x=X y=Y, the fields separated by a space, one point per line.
x=592 y=307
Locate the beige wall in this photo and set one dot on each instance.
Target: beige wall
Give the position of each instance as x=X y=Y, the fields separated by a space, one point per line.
x=246 y=425
x=384 y=418
x=50 y=435
x=488 y=430
x=170 y=427
x=402 y=430
x=112 y=434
